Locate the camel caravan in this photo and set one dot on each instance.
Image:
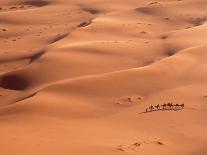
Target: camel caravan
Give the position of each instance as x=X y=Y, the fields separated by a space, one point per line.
x=165 y=106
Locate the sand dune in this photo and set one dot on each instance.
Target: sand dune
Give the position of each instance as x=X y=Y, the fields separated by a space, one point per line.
x=76 y=77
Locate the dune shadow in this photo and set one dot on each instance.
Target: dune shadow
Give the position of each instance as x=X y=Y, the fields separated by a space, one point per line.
x=91 y=10
x=58 y=37
x=37 y=56
x=197 y=21
x=164 y=37
x=170 y=52
x=147 y=10
x=14 y=82
x=35 y=3
x=84 y=24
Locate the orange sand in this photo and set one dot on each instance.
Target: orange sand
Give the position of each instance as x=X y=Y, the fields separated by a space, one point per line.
x=76 y=75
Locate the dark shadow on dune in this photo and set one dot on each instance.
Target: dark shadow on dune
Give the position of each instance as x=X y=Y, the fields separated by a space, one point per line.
x=14 y=82
x=84 y=24
x=197 y=21
x=36 y=3
x=37 y=56
x=146 y=10
x=170 y=52
x=13 y=8
x=164 y=37
x=58 y=37
x=91 y=10
x=147 y=63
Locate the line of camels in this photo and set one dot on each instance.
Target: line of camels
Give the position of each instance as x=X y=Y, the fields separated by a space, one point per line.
x=165 y=106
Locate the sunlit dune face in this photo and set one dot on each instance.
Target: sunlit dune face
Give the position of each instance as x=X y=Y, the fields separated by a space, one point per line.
x=103 y=77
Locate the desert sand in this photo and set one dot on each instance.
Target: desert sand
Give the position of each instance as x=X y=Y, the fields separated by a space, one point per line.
x=77 y=75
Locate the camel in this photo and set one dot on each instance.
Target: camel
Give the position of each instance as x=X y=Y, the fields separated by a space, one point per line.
x=164 y=105
x=176 y=105
x=151 y=107
x=182 y=105
x=170 y=104
x=157 y=106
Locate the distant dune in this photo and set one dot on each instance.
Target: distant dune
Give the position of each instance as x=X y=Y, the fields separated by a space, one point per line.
x=77 y=76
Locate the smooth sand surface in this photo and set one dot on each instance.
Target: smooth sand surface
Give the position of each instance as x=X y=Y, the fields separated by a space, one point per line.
x=77 y=75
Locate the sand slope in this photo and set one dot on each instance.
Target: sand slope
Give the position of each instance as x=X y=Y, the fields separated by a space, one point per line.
x=76 y=77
